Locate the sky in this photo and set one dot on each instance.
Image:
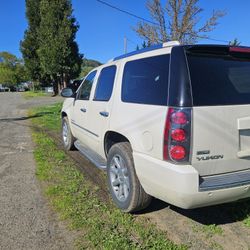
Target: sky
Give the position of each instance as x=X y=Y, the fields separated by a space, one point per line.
x=102 y=29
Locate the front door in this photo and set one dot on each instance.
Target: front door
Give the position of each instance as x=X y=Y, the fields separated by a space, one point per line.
x=81 y=108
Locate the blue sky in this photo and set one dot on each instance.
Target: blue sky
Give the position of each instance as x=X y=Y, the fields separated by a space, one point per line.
x=102 y=29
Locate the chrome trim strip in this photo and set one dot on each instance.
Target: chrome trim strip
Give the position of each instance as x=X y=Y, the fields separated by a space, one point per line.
x=84 y=129
x=222 y=181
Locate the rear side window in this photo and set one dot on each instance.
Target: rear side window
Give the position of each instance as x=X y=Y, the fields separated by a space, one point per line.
x=219 y=79
x=146 y=81
x=105 y=84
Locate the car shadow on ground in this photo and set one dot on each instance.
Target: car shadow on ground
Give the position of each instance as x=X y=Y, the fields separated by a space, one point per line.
x=22 y=118
x=218 y=214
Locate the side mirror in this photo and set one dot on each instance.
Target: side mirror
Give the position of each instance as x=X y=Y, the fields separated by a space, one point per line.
x=67 y=92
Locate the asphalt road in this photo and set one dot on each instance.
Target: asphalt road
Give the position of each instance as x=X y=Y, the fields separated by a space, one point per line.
x=26 y=220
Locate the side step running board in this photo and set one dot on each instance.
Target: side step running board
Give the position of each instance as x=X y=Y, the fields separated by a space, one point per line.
x=91 y=155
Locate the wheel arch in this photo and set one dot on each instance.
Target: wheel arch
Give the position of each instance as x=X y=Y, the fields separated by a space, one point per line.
x=63 y=114
x=111 y=138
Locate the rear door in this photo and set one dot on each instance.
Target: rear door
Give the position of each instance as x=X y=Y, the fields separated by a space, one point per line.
x=220 y=82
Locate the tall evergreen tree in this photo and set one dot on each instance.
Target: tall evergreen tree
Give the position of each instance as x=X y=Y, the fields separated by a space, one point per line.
x=30 y=43
x=58 y=51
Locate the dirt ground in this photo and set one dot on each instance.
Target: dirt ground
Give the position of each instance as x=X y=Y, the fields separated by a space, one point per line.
x=25 y=218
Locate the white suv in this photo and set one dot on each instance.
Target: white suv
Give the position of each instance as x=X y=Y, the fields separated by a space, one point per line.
x=169 y=121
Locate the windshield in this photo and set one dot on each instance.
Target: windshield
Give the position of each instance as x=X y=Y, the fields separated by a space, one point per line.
x=219 y=79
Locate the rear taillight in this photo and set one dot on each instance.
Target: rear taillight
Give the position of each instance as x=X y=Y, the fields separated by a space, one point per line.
x=177 y=135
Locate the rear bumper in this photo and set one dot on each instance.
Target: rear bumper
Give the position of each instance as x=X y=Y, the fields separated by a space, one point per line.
x=179 y=184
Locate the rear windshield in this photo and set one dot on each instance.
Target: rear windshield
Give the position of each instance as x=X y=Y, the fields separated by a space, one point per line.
x=219 y=79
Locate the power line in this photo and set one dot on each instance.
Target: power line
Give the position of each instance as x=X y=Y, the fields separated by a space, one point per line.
x=148 y=21
x=126 y=12
x=212 y=39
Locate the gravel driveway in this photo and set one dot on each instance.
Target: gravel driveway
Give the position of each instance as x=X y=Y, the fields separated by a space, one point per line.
x=26 y=221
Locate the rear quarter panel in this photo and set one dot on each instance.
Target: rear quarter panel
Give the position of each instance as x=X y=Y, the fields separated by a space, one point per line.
x=142 y=124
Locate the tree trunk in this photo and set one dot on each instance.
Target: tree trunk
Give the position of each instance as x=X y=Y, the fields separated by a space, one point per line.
x=64 y=80
x=55 y=89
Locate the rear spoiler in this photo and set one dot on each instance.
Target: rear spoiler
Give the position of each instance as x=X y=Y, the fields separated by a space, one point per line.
x=217 y=49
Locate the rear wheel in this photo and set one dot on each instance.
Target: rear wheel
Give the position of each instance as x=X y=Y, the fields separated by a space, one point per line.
x=67 y=137
x=124 y=185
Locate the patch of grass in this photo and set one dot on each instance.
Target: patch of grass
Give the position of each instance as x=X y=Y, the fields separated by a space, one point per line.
x=212 y=229
x=47 y=117
x=32 y=94
x=76 y=200
x=208 y=230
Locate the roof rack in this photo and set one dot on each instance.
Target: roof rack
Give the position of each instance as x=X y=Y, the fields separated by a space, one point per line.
x=153 y=47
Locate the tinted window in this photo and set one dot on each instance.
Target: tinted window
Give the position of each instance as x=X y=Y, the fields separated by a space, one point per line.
x=85 y=89
x=105 y=84
x=219 y=79
x=146 y=80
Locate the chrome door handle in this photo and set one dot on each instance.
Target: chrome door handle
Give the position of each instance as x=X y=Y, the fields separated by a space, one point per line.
x=104 y=113
x=83 y=110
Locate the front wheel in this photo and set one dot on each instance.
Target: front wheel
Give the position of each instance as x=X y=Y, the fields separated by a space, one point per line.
x=124 y=186
x=67 y=137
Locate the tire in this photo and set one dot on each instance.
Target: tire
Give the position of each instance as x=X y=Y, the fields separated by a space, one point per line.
x=67 y=137
x=125 y=188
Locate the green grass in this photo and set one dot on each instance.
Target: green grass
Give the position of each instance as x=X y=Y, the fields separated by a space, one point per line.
x=32 y=94
x=47 y=117
x=208 y=230
x=102 y=226
x=212 y=229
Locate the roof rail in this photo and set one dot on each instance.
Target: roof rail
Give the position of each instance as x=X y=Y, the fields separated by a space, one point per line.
x=153 y=47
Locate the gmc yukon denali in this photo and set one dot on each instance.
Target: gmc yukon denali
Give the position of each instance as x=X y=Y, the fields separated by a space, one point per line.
x=170 y=121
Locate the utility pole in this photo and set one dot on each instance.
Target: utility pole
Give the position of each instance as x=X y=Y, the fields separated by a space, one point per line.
x=125 y=45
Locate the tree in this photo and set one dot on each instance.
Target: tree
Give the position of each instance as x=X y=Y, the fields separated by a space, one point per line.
x=30 y=44
x=178 y=20
x=12 y=70
x=234 y=42
x=58 y=52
